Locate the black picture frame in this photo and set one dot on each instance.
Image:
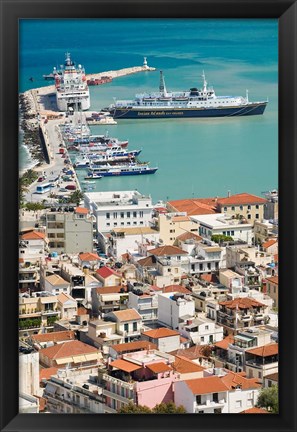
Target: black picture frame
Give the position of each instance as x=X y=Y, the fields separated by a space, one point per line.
x=13 y=10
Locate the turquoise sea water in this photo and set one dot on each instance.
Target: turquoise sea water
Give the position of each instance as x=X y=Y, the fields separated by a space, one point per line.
x=196 y=157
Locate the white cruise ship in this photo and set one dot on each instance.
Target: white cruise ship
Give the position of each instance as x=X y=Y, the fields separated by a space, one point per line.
x=72 y=90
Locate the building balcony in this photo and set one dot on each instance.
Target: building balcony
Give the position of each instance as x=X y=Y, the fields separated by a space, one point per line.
x=210 y=404
x=260 y=364
x=117 y=382
x=259 y=317
x=245 y=318
x=49 y=312
x=109 y=410
x=116 y=396
x=147 y=306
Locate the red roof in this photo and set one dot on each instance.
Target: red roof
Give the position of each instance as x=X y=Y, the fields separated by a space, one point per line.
x=134 y=346
x=159 y=367
x=46 y=373
x=167 y=251
x=195 y=206
x=254 y=410
x=184 y=365
x=241 y=303
x=176 y=288
x=160 y=333
x=81 y=210
x=269 y=243
x=58 y=336
x=89 y=256
x=241 y=199
x=106 y=272
x=273 y=279
x=264 y=351
x=116 y=289
x=125 y=365
x=212 y=384
x=224 y=344
x=33 y=235
x=234 y=380
x=67 y=349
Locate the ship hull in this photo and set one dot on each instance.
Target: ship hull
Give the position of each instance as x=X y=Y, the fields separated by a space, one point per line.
x=153 y=113
x=128 y=173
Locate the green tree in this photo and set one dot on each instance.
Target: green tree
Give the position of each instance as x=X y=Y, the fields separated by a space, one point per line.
x=76 y=197
x=268 y=399
x=134 y=409
x=220 y=238
x=168 y=408
x=162 y=408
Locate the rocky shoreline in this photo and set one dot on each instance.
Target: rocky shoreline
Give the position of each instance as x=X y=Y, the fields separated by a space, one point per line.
x=30 y=127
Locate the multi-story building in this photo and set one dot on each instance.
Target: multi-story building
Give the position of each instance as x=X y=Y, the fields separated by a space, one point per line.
x=167 y=340
x=29 y=372
x=146 y=304
x=234 y=315
x=172 y=225
x=175 y=308
x=143 y=377
x=202 y=332
x=109 y=299
x=121 y=209
x=224 y=224
x=123 y=240
x=219 y=391
x=205 y=258
x=73 y=391
x=272 y=289
x=261 y=361
x=32 y=245
x=70 y=232
x=128 y=323
x=264 y=230
x=250 y=207
x=29 y=276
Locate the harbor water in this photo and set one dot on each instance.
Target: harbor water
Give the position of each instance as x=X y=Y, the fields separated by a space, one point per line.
x=195 y=157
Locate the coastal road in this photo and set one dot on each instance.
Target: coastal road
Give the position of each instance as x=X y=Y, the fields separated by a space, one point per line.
x=56 y=165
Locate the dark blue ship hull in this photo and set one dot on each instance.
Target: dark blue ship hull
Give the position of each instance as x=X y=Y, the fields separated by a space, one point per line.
x=128 y=173
x=153 y=113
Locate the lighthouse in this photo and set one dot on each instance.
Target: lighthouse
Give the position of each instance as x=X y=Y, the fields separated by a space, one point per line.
x=145 y=63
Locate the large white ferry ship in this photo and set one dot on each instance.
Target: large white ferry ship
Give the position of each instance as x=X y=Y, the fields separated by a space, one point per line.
x=72 y=90
x=193 y=103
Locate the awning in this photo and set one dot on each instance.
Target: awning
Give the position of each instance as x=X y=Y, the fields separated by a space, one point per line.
x=94 y=356
x=110 y=297
x=79 y=359
x=125 y=365
x=64 y=360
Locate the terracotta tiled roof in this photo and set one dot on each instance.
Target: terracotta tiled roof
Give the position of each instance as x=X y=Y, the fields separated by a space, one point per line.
x=125 y=365
x=210 y=278
x=116 y=289
x=176 y=288
x=127 y=315
x=134 y=346
x=273 y=279
x=264 y=351
x=82 y=311
x=46 y=373
x=180 y=218
x=212 y=384
x=241 y=199
x=106 y=272
x=56 y=280
x=81 y=210
x=195 y=206
x=188 y=236
x=149 y=261
x=184 y=365
x=254 y=410
x=272 y=377
x=160 y=333
x=269 y=243
x=89 y=256
x=167 y=251
x=64 y=297
x=67 y=349
x=232 y=380
x=33 y=235
x=192 y=353
x=241 y=303
x=224 y=344
x=58 y=336
x=159 y=367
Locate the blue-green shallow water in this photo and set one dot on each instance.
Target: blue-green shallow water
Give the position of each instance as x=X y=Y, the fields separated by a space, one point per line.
x=196 y=157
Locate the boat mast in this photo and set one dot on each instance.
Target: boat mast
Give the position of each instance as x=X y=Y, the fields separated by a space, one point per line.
x=204 y=83
x=162 y=87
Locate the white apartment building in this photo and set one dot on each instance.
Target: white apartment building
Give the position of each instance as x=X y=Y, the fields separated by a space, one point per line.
x=146 y=304
x=202 y=332
x=123 y=240
x=32 y=245
x=205 y=258
x=223 y=224
x=121 y=209
x=175 y=307
x=29 y=373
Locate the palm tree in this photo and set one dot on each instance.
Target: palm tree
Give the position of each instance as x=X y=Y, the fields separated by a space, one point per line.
x=76 y=197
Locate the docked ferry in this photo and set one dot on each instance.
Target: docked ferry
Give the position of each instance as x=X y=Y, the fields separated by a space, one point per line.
x=193 y=103
x=72 y=91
